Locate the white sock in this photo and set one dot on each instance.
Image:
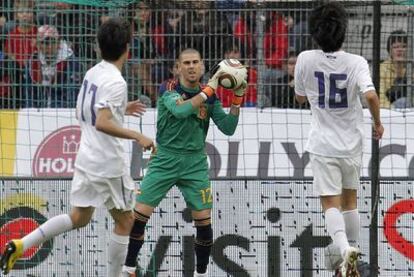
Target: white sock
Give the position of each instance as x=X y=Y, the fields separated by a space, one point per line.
x=128 y=269
x=51 y=228
x=352 y=226
x=335 y=225
x=117 y=252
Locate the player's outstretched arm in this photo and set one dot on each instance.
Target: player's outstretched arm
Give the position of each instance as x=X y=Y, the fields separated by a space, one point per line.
x=105 y=124
x=374 y=107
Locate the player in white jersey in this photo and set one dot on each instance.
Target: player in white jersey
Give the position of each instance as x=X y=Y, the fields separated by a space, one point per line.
x=100 y=170
x=333 y=81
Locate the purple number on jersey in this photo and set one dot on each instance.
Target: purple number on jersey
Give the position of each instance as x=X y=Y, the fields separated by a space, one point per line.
x=338 y=97
x=92 y=90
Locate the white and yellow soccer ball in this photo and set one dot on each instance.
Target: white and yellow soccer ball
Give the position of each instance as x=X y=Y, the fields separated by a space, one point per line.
x=234 y=73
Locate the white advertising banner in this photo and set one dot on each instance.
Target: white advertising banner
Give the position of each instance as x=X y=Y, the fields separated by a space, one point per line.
x=261 y=228
x=268 y=143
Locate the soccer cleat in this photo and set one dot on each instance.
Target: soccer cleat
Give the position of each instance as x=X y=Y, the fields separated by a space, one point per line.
x=348 y=267
x=364 y=270
x=196 y=274
x=333 y=258
x=13 y=251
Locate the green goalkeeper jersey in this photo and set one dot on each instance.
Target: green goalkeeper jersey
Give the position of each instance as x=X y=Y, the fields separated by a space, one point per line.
x=182 y=128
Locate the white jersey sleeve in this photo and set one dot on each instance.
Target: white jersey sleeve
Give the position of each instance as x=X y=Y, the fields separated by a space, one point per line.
x=364 y=80
x=299 y=84
x=113 y=98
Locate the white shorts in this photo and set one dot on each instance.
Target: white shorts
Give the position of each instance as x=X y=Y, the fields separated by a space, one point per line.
x=92 y=191
x=331 y=175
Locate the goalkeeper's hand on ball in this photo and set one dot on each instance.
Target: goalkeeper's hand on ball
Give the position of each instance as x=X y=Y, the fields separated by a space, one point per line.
x=239 y=94
x=213 y=82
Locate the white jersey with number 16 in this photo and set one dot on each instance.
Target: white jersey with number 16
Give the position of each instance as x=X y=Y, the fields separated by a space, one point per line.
x=333 y=83
x=101 y=154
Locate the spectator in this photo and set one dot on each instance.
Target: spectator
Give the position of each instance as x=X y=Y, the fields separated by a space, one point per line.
x=149 y=46
x=231 y=8
x=204 y=29
x=226 y=95
x=58 y=14
x=299 y=37
x=53 y=73
x=6 y=93
x=393 y=78
x=20 y=43
x=76 y=25
x=5 y=90
x=283 y=92
x=6 y=25
x=275 y=41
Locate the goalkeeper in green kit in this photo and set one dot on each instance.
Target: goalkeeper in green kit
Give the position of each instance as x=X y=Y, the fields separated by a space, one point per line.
x=184 y=112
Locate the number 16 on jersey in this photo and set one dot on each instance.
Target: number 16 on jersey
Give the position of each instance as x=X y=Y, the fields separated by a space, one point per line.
x=338 y=97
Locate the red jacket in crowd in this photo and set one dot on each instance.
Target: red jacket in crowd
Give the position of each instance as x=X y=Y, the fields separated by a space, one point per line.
x=275 y=41
x=20 y=45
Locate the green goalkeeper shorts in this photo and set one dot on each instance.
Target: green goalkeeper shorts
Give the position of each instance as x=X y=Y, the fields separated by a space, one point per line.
x=189 y=172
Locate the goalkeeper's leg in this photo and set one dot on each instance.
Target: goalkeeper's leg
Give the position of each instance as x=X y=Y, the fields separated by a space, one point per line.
x=203 y=241
x=142 y=214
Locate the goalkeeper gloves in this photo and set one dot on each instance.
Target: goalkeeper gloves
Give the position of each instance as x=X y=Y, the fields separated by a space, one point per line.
x=239 y=94
x=212 y=83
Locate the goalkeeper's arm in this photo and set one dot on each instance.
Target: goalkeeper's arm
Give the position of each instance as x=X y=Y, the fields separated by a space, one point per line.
x=182 y=109
x=237 y=99
x=227 y=123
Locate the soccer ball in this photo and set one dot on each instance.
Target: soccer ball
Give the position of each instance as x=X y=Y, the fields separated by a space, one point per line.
x=234 y=74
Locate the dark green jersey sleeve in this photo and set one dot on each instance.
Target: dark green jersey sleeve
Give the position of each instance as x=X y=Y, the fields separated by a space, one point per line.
x=226 y=122
x=178 y=110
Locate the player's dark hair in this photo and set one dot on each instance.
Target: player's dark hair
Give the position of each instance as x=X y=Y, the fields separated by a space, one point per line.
x=396 y=36
x=327 y=25
x=292 y=53
x=113 y=38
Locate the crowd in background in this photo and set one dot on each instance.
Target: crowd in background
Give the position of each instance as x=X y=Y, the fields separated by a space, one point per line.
x=45 y=48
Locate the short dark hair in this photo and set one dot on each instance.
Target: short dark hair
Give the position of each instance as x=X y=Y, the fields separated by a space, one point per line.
x=396 y=36
x=113 y=38
x=327 y=25
x=188 y=51
x=292 y=53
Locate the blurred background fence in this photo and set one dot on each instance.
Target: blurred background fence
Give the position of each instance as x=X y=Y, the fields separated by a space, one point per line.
x=266 y=35
x=263 y=170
